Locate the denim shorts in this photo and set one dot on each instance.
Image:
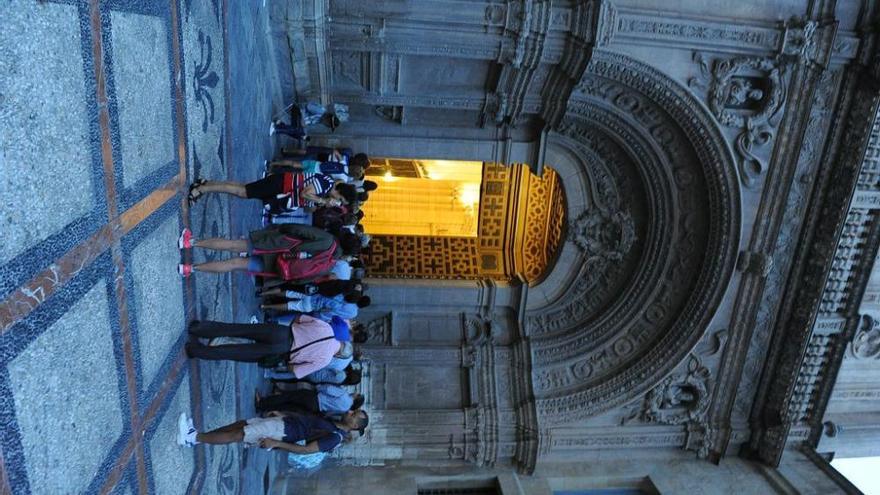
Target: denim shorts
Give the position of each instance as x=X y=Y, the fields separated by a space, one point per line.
x=256 y=265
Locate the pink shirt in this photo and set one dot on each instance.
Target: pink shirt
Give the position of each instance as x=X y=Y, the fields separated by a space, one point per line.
x=315 y=356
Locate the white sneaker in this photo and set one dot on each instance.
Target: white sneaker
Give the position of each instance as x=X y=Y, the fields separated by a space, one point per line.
x=186 y=432
x=254 y=319
x=215 y=341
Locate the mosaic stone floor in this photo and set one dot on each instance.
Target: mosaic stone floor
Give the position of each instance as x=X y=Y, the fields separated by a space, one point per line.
x=108 y=109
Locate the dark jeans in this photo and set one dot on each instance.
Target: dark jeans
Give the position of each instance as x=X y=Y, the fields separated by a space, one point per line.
x=293 y=131
x=269 y=339
x=295 y=399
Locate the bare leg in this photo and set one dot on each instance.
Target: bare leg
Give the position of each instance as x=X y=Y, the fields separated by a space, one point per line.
x=287 y=163
x=233 y=264
x=238 y=425
x=272 y=283
x=274 y=307
x=275 y=291
x=292 y=151
x=218 y=244
x=234 y=188
x=218 y=437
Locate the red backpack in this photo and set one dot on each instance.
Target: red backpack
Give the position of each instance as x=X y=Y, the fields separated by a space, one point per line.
x=292 y=267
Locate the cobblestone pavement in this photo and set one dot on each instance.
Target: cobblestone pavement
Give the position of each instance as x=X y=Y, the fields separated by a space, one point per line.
x=108 y=109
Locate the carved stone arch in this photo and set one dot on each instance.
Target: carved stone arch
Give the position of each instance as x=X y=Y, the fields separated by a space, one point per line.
x=654 y=223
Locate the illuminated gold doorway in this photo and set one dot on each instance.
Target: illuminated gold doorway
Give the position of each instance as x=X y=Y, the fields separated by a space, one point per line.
x=439 y=219
x=438 y=198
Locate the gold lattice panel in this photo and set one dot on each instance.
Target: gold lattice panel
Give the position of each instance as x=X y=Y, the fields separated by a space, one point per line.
x=494 y=228
x=401 y=256
x=522 y=221
x=493 y=205
x=543 y=228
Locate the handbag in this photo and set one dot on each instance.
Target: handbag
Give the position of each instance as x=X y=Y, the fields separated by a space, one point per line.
x=275 y=360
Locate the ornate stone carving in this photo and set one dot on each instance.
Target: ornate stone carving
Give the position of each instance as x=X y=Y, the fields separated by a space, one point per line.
x=744 y=93
x=591 y=360
x=379 y=331
x=785 y=244
x=394 y=113
x=808 y=42
x=635 y=26
x=603 y=235
x=711 y=344
x=678 y=399
x=782 y=398
x=799 y=38
x=866 y=343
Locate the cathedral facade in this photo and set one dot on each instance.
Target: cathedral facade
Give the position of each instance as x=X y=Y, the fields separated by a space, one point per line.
x=677 y=226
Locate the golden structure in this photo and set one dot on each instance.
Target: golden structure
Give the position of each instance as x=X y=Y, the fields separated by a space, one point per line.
x=430 y=224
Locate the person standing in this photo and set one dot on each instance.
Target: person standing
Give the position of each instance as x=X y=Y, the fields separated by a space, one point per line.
x=278 y=431
x=307 y=345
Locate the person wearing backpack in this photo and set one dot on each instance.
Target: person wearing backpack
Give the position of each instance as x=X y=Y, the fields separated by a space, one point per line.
x=306 y=346
x=288 y=251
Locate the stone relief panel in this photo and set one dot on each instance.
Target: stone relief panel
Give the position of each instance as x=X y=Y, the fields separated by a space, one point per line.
x=678 y=399
x=379 y=330
x=866 y=343
x=684 y=397
x=351 y=71
x=669 y=154
x=747 y=94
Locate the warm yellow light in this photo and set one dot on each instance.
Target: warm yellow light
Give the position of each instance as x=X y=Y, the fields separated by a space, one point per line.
x=452 y=170
x=388 y=176
x=470 y=195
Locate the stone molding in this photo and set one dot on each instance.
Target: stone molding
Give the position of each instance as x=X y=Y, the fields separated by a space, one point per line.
x=776 y=409
x=621 y=98
x=640 y=27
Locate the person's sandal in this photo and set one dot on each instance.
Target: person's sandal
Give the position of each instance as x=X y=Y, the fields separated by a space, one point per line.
x=194 y=194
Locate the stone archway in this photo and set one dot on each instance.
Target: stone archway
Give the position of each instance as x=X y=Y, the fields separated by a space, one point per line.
x=654 y=224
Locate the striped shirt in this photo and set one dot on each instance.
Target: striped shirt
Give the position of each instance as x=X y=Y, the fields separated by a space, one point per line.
x=295 y=183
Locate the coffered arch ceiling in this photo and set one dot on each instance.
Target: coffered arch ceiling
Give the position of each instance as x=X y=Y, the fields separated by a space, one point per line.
x=654 y=209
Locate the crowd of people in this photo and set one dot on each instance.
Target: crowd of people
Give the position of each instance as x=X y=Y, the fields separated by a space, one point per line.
x=305 y=259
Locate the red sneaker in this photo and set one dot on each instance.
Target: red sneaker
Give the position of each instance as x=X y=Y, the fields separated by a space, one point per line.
x=185 y=239
x=185 y=270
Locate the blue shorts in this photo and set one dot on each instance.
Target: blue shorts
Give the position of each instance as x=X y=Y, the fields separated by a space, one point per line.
x=256 y=265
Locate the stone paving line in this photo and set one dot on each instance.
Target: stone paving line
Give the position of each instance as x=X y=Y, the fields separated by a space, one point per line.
x=103 y=268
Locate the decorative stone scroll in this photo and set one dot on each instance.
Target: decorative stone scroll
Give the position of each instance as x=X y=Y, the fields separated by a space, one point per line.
x=744 y=93
x=866 y=343
x=678 y=399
